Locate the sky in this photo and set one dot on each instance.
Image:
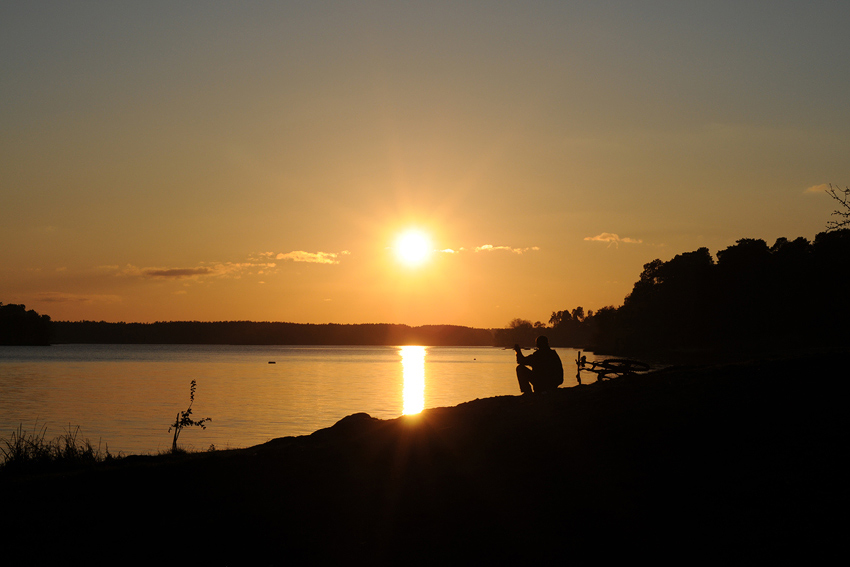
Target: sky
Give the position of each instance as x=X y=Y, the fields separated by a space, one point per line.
x=209 y=161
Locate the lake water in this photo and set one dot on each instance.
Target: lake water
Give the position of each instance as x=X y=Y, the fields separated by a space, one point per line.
x=126 y=396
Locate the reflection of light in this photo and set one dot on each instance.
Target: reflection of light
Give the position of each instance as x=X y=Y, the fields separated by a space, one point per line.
x=413 y=366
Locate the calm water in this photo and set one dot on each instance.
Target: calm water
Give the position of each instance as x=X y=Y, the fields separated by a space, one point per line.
x=126 y=396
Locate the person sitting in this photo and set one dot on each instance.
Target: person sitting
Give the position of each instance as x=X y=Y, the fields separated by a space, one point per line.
x=546 y=372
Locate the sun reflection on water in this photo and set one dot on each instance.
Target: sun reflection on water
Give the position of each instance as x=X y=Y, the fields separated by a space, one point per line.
x=413 y=366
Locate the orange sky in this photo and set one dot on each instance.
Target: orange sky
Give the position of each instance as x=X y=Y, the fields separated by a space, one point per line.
x=173 y=161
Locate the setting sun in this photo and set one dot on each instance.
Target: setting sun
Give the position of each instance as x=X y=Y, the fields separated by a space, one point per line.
x=413 y=247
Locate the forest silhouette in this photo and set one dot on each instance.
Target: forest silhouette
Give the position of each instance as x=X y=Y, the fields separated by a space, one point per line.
x=19 y=326
x=754 y=297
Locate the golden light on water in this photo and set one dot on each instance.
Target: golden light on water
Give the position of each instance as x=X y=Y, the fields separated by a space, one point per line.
x=413 y=367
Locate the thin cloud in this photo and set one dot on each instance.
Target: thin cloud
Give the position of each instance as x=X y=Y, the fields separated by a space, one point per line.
x=177 y=272
x=204 y=270
x=236 y=269
x=491 y=248
x=822 y=188
x=612 y=238
x=226 y=269
x=60 y=297
x=313 y=257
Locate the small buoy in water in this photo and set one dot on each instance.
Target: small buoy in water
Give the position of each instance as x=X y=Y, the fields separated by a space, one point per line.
x=271 y=362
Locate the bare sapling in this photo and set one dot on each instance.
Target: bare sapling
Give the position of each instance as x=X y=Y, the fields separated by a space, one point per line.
x=184 y=419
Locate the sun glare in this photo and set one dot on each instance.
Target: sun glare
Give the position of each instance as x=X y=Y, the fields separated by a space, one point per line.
x=413 y=247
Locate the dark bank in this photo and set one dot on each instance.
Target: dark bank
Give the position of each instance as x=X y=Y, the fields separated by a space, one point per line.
x=735 y=460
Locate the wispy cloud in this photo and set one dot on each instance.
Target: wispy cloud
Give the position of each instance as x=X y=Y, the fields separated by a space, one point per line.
x=177 y=272
x=822 y=188
x=225 y=269
x=612 y=238
x=60 y=297
x=491 y=248
x=313 y=257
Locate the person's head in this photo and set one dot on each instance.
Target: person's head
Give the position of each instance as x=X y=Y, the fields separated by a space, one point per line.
x=542 y=342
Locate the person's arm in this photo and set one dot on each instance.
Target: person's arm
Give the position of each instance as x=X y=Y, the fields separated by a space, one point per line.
x=520 y=359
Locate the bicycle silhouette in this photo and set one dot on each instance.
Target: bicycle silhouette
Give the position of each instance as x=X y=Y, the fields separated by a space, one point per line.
x=609 y=368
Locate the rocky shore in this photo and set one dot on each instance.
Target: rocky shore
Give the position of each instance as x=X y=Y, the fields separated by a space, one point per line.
x=737 y=462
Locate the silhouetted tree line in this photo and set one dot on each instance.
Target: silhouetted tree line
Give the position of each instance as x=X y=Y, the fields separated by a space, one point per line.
x=788 y=295
x=568 y=328
x=18 y=326
x=266 y=333
x=521 y=332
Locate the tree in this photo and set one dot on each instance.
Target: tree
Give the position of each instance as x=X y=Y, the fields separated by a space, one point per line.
x=842 y=196
x=558 y=318
x=19 y=326
x=569 y=327
x=519 y=331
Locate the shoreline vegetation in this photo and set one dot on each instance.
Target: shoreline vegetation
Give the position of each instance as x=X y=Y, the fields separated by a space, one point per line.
x=688 y=461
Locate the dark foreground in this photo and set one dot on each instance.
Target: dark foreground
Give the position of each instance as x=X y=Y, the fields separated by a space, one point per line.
x=736 y=462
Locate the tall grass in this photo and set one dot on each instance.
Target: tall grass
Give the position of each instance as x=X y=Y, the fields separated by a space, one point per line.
x=31 y=452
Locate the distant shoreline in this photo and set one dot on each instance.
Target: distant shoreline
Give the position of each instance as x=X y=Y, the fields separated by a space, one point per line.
x=266 y=333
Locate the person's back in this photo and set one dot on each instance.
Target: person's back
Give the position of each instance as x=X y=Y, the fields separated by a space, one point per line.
x=547 y=372
x=548 y=363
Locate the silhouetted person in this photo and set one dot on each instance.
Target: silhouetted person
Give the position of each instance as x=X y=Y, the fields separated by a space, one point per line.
x=546 y=372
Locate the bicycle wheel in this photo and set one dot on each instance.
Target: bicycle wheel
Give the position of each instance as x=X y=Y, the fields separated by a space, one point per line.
x=624 y=366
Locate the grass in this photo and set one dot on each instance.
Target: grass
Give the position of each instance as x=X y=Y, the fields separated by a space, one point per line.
x=28 y=453
x=31 y=452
